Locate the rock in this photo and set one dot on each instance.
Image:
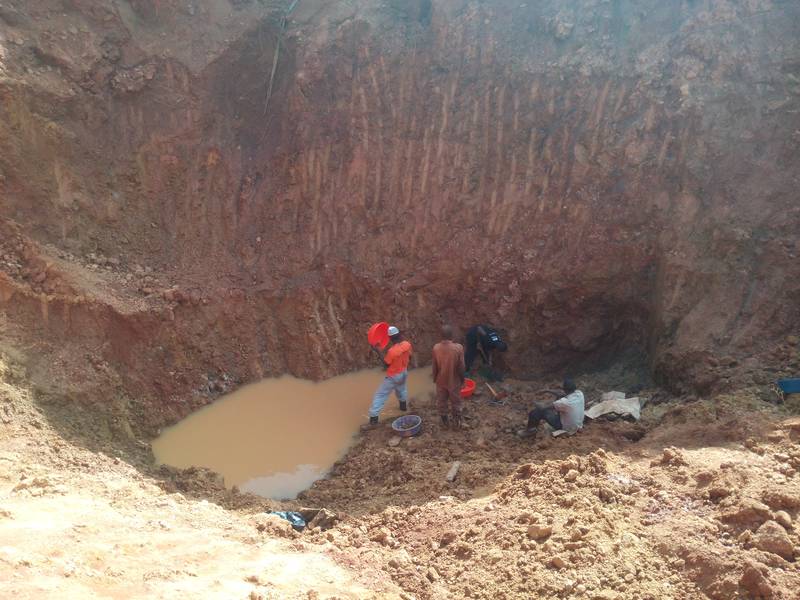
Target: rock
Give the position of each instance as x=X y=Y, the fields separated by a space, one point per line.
x=382 y=536
x=783 y=519
x=336 y=539
x=748 y=511
x=526 y=517
x=532 y=517
x=539 y=532
x=778 y=500
x=771 y=537
x=557 y=562
x=754 y=580
x=745 y=537
x=324 y=519
x=462 y=550
x=670 y=456
x=453 y=472
x=394 y=441
x=28 y=483
x=704 y=477
x=432 y=574
x=571 y=475
x=717 y=493
x=494 y=556
x=273 y=525
x=448 y=538
x=172 y=295
x=792 y=340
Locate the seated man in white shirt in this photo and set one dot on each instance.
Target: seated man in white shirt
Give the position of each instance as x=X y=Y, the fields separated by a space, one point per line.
x=566 y=413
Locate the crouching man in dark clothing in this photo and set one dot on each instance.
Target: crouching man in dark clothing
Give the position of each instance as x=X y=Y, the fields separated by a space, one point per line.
x=566 y=413
x=482 y=340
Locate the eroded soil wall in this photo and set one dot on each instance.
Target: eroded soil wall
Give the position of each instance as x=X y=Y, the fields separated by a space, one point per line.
x=589 y=176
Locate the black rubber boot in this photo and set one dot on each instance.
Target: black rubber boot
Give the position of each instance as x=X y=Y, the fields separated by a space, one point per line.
x=404 y=406
x=445 y=421
x=373 y=422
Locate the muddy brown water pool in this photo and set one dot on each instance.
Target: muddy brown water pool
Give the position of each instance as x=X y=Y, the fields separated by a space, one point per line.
x=276 y=437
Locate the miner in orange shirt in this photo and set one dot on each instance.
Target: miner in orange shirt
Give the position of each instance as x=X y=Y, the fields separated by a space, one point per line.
x=396 y=358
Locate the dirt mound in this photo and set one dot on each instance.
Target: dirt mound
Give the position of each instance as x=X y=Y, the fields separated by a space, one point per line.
x=595 y=515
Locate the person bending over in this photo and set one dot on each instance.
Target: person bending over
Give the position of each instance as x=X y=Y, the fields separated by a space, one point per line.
x=482 y=340
x=566 y=413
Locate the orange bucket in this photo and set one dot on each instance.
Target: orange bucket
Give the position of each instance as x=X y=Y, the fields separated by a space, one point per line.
x=468 y=389
x=378 y=335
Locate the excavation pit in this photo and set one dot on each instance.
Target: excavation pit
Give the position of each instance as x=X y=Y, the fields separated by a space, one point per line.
x=197 y=194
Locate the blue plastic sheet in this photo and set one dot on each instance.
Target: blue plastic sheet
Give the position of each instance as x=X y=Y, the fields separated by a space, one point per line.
x=297 y=521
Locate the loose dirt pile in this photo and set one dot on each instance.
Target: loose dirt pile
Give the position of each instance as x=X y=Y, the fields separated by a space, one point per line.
x=703 y=505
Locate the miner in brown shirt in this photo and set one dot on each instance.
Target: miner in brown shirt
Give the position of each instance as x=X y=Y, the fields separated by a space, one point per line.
x=448 y=373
